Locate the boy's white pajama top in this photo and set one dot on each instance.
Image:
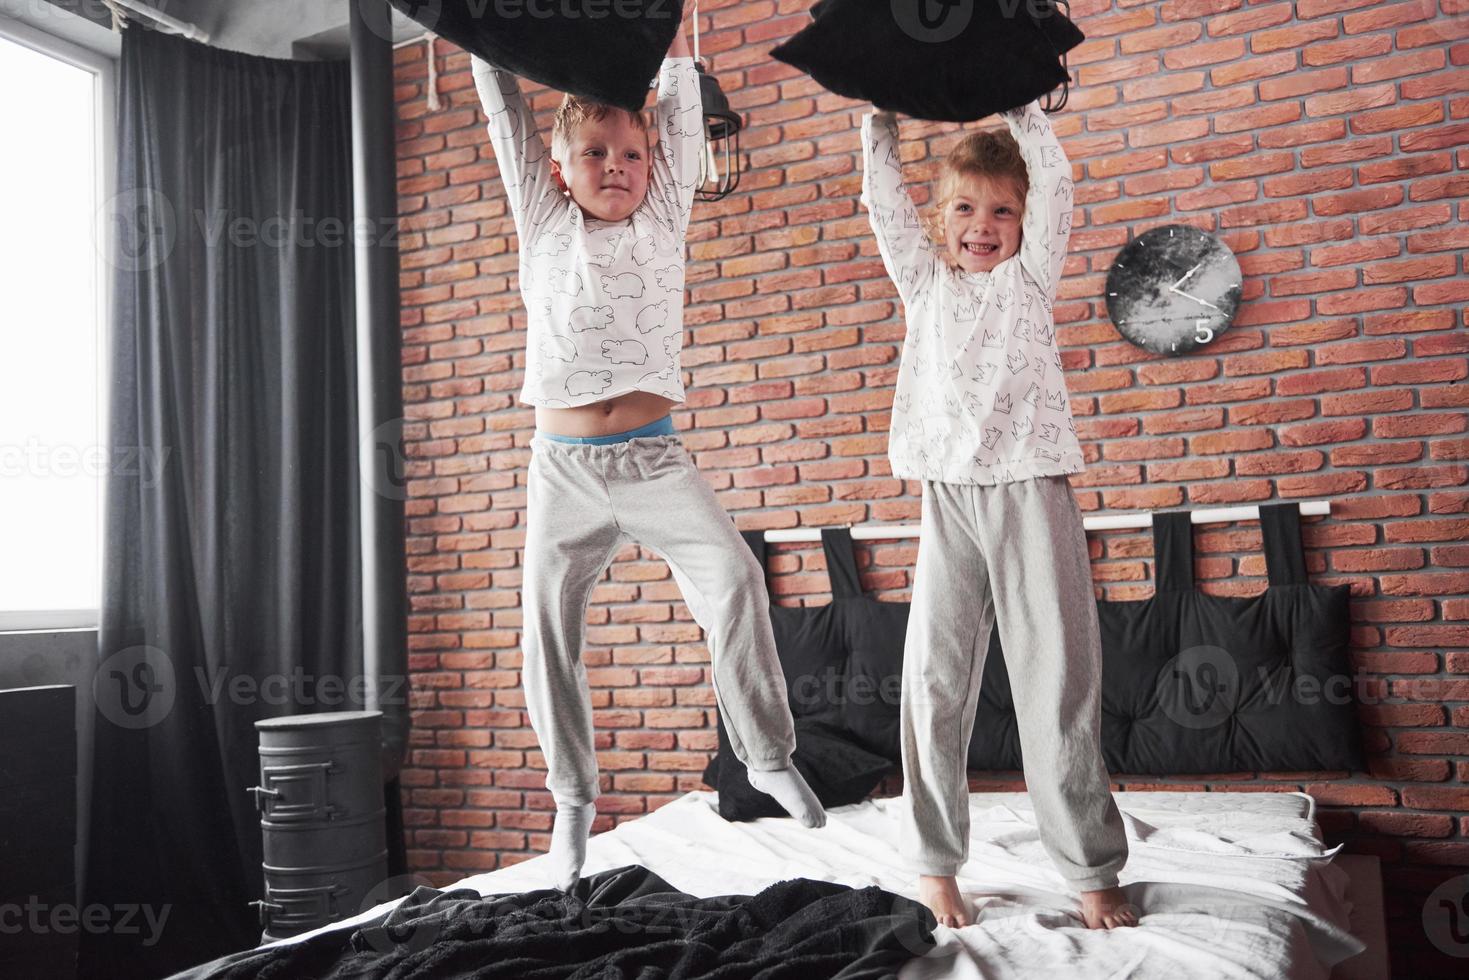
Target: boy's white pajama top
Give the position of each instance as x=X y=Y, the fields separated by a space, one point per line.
x=605 y=302
x=981 y=397
x=605 y=299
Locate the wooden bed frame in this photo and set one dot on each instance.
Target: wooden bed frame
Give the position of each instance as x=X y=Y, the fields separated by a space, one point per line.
x=1365 y=893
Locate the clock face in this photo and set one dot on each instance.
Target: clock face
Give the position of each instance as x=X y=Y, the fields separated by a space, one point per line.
x=1173 y=289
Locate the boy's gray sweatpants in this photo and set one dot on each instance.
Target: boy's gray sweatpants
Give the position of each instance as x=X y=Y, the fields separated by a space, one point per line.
x=584 y=502
x=1014 y=554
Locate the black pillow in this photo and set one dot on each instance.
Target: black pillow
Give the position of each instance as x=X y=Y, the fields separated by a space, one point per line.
x=975 y=60
x=812 y=645
x=837 y=771
x=585 y=48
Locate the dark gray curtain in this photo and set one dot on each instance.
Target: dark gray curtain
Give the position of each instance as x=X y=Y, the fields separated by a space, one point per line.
x=232 y=366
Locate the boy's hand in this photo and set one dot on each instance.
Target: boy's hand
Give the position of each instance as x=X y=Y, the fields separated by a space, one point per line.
x=680 y=46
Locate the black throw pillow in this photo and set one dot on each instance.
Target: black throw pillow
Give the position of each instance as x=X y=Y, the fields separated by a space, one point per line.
x=954 y=63
x=812 y=645
x=590 y=48
x=837 y=771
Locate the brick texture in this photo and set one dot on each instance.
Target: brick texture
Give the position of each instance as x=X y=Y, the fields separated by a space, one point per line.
x=1326 y=141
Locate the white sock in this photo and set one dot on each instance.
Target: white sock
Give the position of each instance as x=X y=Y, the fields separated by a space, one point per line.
x=791 y=792
x=569 y=842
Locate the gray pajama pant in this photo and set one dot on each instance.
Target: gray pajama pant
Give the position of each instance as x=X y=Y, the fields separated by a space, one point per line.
x=584 y=502
x=1015 y=555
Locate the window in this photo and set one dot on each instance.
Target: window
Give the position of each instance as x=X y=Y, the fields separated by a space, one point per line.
x=54 y=288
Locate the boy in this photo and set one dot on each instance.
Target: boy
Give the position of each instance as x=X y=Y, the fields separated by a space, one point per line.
x=602 y=220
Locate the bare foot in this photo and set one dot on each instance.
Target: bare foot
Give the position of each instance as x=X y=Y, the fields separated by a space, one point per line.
x=1107 y=908
x=942 y=896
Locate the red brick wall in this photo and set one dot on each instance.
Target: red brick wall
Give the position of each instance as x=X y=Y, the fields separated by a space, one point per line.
x=1327 y=141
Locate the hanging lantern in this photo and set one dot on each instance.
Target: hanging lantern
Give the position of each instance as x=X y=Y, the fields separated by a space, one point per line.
x=719 y=164
x=719 y=171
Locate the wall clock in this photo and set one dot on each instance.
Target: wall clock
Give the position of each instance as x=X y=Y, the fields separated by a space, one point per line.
x=1173 y=289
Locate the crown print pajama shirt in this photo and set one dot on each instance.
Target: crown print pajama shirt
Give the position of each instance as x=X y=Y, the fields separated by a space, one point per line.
x=605 y=306
x=982 y=417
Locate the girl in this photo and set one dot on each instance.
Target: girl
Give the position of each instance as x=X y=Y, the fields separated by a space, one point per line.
x=981 y=416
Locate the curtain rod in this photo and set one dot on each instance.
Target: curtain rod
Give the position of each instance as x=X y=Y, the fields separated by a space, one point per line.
x=1105 y=522
x=182 y=27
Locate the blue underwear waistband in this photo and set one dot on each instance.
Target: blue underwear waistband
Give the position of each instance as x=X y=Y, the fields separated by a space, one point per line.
x=658 y=427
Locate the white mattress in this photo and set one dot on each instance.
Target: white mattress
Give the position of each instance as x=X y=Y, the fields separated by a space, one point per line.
x=1230 y=884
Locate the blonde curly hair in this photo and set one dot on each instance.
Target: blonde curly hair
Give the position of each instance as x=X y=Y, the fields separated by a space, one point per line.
x=988 y=154
x=575 y=110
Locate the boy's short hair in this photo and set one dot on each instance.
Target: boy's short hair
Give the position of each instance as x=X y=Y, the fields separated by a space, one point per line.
x=575 y=110
x=991 y=154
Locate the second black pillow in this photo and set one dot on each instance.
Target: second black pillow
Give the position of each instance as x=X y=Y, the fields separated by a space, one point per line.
x=957 y=62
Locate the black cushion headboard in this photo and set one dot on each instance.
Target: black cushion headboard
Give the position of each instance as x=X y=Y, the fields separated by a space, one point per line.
x=1195 y=683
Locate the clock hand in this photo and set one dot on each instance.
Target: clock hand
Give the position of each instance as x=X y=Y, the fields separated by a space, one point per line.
x=1187 y=274
x=1195 y=299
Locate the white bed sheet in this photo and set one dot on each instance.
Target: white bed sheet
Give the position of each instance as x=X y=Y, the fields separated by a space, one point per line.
x=1232 y=885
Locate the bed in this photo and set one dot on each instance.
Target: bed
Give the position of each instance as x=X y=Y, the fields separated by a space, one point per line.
x=1232 y=884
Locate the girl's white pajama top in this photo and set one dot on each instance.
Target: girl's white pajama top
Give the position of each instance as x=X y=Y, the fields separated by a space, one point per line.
x=981 y=398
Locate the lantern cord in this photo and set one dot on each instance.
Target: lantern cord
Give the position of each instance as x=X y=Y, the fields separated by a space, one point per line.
x=696 y=30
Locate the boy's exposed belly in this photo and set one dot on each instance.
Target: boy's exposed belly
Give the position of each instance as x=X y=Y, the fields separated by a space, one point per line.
x=617 y=414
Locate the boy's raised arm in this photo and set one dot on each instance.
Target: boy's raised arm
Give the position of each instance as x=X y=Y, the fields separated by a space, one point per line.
x=520 y=152
x=905 y=247
x=1046 y=228
x=679 y=117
